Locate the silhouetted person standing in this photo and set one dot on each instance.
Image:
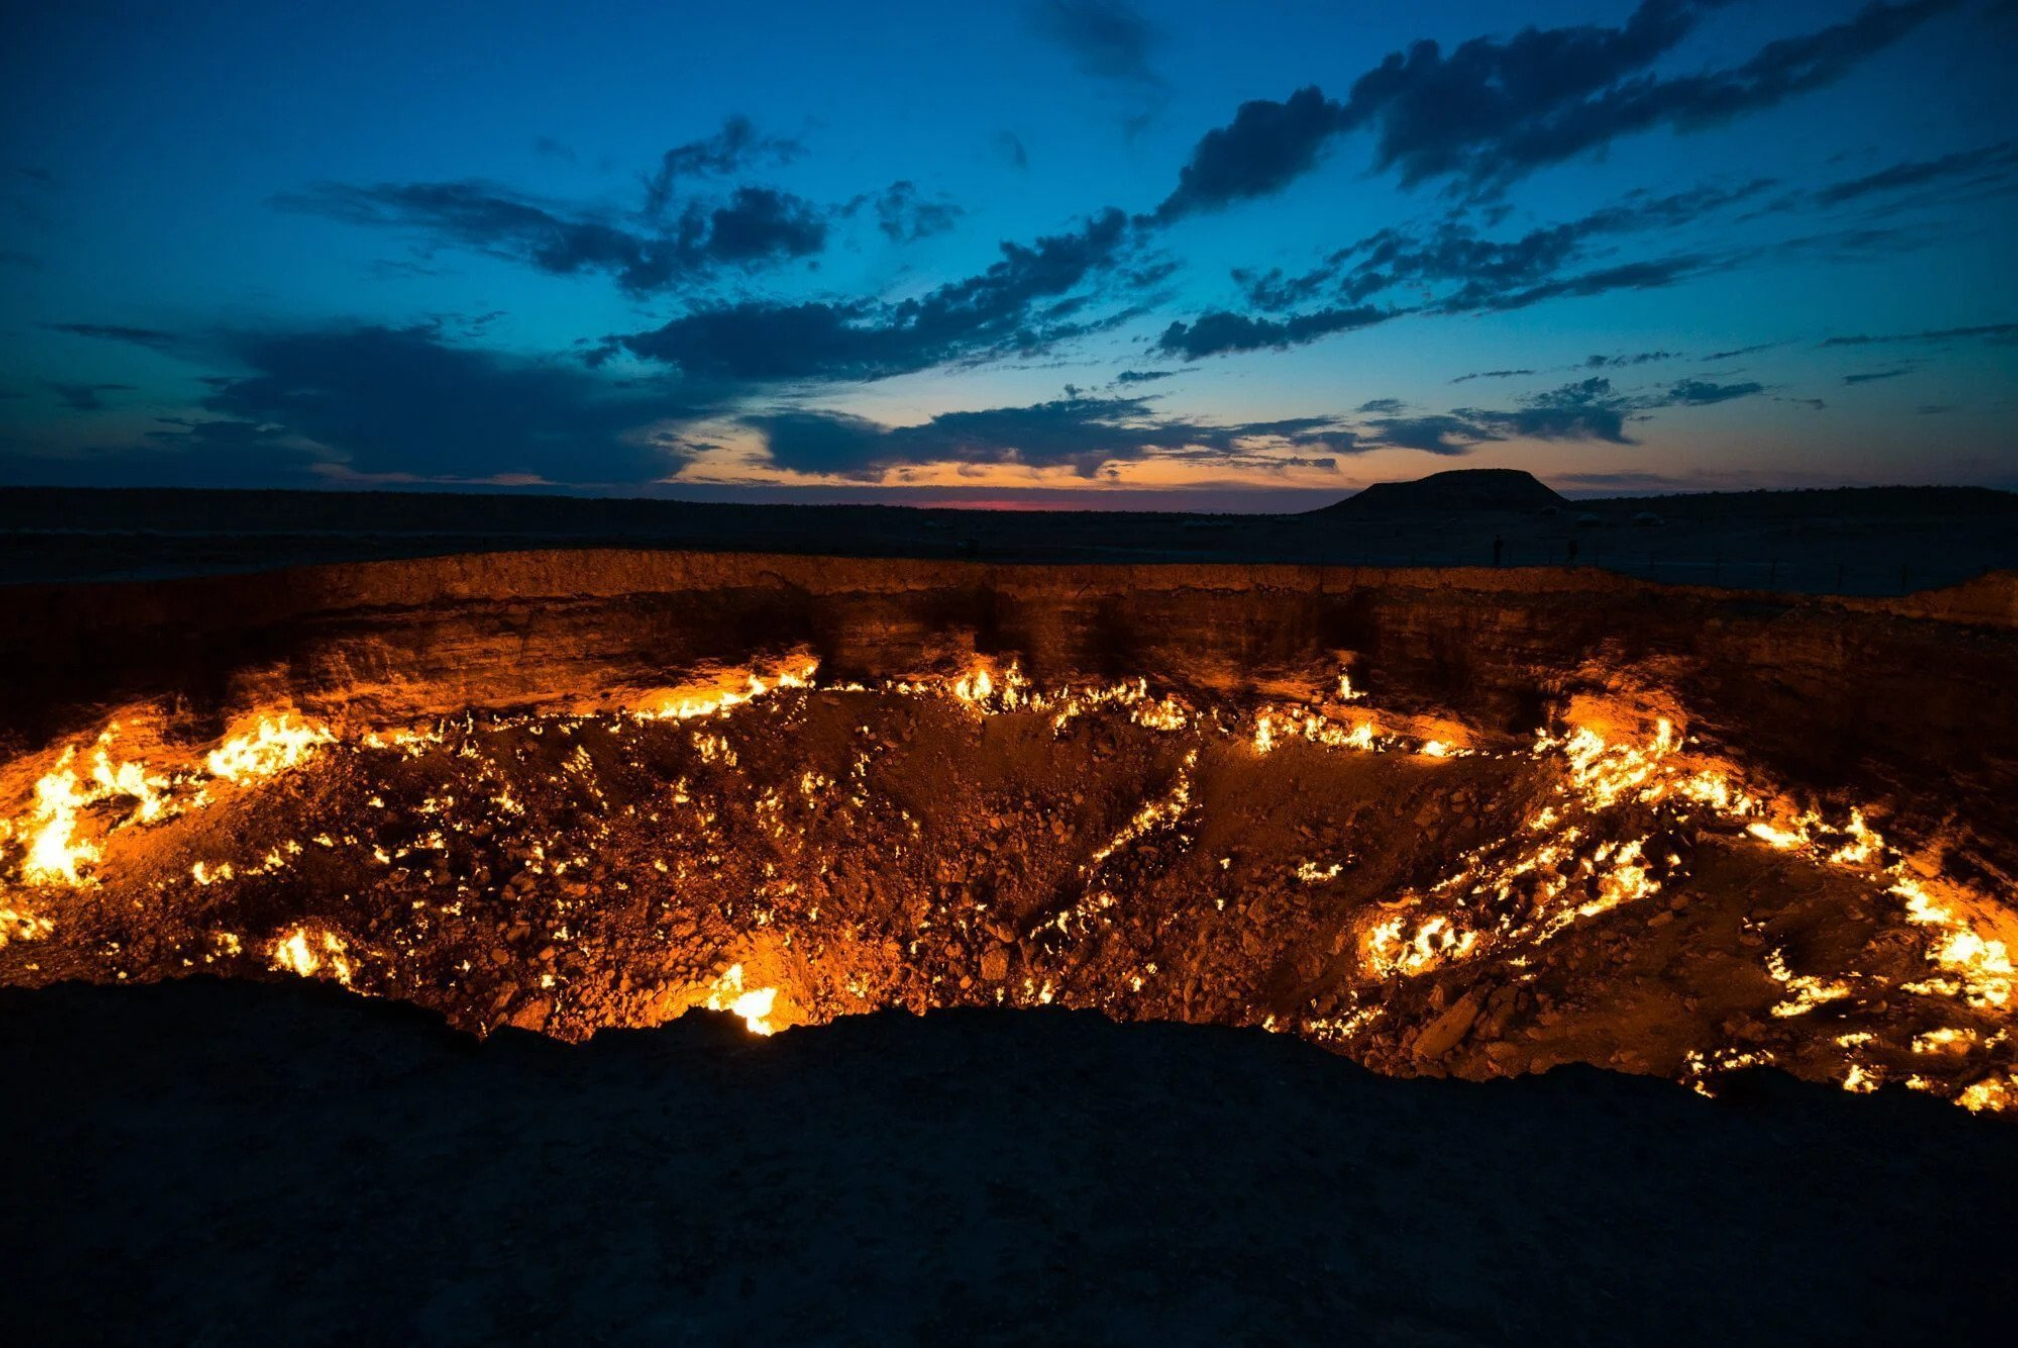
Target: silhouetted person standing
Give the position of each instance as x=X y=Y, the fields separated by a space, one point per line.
x=1573 y=552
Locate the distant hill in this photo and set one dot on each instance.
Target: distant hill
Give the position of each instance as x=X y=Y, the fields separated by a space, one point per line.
x=1460 y=489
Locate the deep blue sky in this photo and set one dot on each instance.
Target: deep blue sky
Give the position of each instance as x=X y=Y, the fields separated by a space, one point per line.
x=1064 y=251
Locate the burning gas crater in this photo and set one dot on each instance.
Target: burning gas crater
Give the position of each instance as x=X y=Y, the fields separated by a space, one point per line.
x=1413 y=894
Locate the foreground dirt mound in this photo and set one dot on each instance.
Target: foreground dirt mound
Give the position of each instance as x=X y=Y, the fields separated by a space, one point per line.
x=202 y=1162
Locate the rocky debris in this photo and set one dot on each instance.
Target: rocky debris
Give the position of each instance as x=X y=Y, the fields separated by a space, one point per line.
x=861 y=850
x=540 y=859
x=1441 y=1035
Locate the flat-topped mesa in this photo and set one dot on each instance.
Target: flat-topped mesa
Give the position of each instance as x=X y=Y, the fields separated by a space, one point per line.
x=1460 y=489
x=1454 y=821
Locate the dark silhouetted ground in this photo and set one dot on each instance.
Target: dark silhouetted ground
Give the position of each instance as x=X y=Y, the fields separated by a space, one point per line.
x=1887 y=540
x=230 y=1163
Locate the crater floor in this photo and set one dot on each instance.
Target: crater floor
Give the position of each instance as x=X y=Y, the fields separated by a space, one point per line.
x=1418 y=895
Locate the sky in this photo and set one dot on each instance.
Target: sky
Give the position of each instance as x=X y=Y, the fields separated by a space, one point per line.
x=1040 y=253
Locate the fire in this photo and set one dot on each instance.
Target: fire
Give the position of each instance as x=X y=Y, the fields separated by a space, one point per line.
x=1991 y=1094
x=1154 y=815
x=1776 y=837
x=273 y=746
x=1613 y=825
x=685 y=704
x=990 y=691
x=16 y=925
x=1389 y=952
x=300 y=953
x=54 y=854
x=128 y=779
x=1805 y=991
x=1164 y=715
x=1980 y=967
x=974 y=687
x=754 y=1005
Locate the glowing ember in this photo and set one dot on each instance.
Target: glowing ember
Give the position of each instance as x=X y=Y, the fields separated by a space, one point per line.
x=307 y=955
x=54 y=854
x=566 y=871
x=1981 y=967
x=1992 y=1094
x=272 y=746
x=754 y=1005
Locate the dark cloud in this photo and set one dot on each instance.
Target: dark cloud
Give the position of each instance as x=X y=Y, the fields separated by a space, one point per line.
x=1275 y=292
x=1585 y=411
x=1462 y=272
x=1498 y=107
x=1387 y=406
x=1079 y=432
x=210 y=460
x=1142 y=376
x=1638 y=358
x=1266 y=147
x=553 y=149
x=1489 y=374
x=220 y=435
x=737 y=146
x=1582 y=411
x=1997 y=333
x=1492 y=278
x=1698 y=393
x=1433 y=434
x=1325 y=432
x=1873 y=376
x=1740 y=351
x=1493 y=110
x=1651 y=274
x=1590 y=409
x=1220 y=332
x=1107 y=39
x=84 y=397
x=905 y=217
x=400 y=401
x=1013 y=149
x=1987 y=163
x=117 y=332
x=1016 y=304
x=755 y=225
